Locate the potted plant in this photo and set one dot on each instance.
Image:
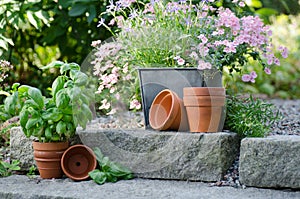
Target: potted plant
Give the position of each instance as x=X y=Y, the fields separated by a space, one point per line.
x=53 y=121
x=205 y=36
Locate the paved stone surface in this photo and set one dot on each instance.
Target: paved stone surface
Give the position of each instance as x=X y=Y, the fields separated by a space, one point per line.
x=21 y=187
x=167 y=155
x=270 y=162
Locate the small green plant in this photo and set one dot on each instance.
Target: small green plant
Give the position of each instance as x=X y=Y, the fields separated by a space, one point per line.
x=109 y=171
x=250 y=117
x=55 y=119
x=6 y=168
x=32 y=171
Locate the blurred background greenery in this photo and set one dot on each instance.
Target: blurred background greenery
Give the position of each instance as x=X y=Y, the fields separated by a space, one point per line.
x=35 y=32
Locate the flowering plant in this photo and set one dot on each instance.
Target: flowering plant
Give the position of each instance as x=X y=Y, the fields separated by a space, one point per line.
x=180 y=34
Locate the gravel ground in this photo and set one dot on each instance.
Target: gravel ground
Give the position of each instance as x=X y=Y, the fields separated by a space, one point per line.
x=290 y=123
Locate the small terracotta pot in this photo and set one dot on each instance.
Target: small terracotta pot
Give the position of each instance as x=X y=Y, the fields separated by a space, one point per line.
x=167 y=112
x=205 y=108
x=47 y=157
x=78 y=161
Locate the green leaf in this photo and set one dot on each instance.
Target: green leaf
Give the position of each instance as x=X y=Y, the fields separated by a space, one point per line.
x=254 y=3
x=53 y=114
x=48 y=133
x=57 y=85
x=64 y=68
x=37 y=96
x=75 y=66
x=74 y=93
x=23 y=89
x=77 y=10
x=3 y=45
x=92 y=13
x=32 y=20
x=32 y=122
x=118 y=170
x=23 y=117
x=62 y=99
x=42 y=16
x=99 y=155
x=98 y=176
x=266 y=11
x=55 y=64
x=7 y=40
x=61 y=127
x=10 y=103
x=81 y=79
x=65 y=3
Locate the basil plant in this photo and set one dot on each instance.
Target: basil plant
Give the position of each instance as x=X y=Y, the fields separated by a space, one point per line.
x=55 y=119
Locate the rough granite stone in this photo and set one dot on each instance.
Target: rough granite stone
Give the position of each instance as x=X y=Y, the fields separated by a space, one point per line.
x=21 y=147
x=270 y=162
x=166 y=155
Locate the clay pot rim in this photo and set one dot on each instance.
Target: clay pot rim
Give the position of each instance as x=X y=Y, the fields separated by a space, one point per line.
x=57 y=145
x=203 y=91
x=90 y=152
x=175 y=107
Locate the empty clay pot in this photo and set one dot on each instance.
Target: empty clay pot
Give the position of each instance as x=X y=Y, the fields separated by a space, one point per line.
x=167 y=112
x=78 y=161
x=205 y=108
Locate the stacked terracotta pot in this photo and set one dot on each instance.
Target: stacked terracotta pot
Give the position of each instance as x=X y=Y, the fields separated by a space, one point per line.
x=205 y=108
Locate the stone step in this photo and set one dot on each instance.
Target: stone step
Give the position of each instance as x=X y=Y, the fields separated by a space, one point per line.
x=152 y=154
x=272 y=162
x=167 y=155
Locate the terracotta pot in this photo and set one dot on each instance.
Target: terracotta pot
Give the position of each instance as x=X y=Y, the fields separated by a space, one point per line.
x=48 y=156
x=167 y=112
x=78 y=161
x=205 y=108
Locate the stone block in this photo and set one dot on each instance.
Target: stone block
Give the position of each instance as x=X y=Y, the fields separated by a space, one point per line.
x=166 y=155
x=21 y=148
x=272 y=162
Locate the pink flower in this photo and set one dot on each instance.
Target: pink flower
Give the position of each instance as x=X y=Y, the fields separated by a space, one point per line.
x=242 y=4
x=180 y=62
x=203 y=38
x=249 y=77
x=284 y=51
x=135 y=104
x=267 y=71
x=105 y=105
x=203 y=65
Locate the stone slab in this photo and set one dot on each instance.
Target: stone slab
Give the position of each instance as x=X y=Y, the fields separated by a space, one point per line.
x=166 y=155
x=272 y=162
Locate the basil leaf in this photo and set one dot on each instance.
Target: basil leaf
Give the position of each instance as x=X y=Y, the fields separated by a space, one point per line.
x=57 y=85
x=98 y=176
x=37 y=96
